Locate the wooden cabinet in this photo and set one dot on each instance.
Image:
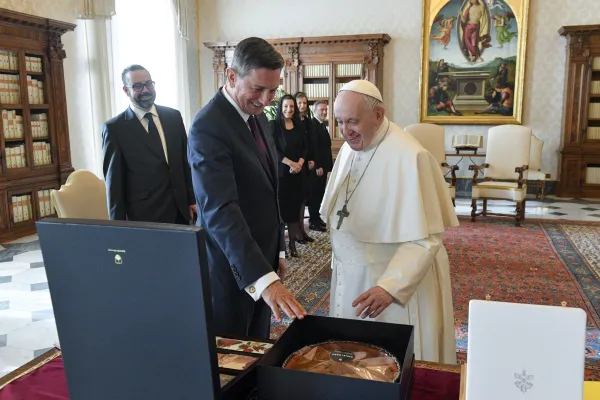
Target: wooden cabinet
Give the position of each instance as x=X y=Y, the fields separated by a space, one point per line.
x=318 y=66
x=579 y=167
x=34 y=136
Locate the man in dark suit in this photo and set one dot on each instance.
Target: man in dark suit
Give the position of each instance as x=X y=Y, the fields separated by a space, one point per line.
x=234 y=171
x=145 y=158
x=323 y=165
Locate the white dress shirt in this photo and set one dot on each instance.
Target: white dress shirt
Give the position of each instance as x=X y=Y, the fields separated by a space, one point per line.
x=141 y=114
x=254 y=289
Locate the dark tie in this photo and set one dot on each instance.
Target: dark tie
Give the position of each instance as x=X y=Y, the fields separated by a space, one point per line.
x=261 y=144
x=153 y=133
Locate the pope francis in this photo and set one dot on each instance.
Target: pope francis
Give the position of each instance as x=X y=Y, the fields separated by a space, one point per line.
x=387 y=205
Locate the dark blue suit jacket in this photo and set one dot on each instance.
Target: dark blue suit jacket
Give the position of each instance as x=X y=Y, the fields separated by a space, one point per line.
x=141 y=185
x=237 y=205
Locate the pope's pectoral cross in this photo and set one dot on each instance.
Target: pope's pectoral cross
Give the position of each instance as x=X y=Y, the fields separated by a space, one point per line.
x=343 y=213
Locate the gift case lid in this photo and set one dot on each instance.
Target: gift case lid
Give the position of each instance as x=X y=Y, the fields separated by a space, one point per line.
x=132 y=307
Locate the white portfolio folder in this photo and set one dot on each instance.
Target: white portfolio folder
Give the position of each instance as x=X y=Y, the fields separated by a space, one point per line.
x=525 y=351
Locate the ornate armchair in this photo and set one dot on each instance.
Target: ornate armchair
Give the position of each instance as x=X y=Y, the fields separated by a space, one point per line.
x=506 y=166
x=535 y=176
x=432 y=138
x=82 y=196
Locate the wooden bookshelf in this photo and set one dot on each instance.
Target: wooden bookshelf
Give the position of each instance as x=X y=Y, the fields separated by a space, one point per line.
x=318 y=66
x=34 y=140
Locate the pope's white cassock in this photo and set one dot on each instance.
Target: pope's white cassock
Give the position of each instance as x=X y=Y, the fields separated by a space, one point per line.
x=392 y=237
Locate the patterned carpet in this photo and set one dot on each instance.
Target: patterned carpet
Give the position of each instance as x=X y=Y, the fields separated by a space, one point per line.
x=540 y=263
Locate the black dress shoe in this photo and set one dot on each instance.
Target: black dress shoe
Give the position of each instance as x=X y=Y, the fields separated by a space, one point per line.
x=308 y=238
x=317 y=227
x=300 y=241
x=293 y=251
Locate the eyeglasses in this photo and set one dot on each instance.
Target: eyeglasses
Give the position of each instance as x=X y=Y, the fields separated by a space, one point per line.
x=138 y=87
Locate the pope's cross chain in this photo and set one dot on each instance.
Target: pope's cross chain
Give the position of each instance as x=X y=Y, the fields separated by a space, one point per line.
x=343 y=213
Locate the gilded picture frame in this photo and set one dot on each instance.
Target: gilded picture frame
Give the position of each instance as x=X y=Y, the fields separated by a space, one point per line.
x=473 y=61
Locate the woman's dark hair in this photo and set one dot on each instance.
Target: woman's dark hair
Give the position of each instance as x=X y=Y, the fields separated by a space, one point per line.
x=279 y=119
x=309 y=114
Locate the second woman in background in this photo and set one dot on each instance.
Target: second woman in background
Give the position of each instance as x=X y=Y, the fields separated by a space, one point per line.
x=306 y=119
x=290 y=140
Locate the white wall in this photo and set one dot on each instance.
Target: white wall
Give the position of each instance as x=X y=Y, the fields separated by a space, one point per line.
x=230 y=20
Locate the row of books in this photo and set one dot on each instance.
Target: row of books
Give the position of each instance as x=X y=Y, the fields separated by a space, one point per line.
x=9 y=60
x=595 y=88
x=21 y=208
x=33 y=64
x=12 y=125
x=35 y=90
x=46 y=206
x=592 y=175
x=15 y=156
x=594 y=110
x=313 y=90
x=10 y=90
x=342 y=70
x=338 y=86
x=42 y=153
x=39 y=125
x=319 y=71
x=596 y=63
x=593 y=132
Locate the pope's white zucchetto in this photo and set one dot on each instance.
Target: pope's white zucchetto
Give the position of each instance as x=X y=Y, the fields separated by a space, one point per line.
x=364 y=87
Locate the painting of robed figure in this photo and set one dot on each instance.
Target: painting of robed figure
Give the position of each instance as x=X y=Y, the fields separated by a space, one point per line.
x=473 y=61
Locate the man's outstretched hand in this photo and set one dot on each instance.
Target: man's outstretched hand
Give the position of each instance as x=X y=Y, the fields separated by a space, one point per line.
x=279 y=298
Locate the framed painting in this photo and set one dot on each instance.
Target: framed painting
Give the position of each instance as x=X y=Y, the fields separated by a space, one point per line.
x=473 y=61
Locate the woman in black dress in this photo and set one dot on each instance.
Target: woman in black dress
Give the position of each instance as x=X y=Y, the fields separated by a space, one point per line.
x=290 y=140
x=306 y=119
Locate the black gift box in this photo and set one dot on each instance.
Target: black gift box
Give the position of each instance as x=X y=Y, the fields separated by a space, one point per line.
x=275 y=382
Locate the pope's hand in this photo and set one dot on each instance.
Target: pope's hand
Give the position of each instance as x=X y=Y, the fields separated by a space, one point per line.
x=372 y=302
x=277 y=296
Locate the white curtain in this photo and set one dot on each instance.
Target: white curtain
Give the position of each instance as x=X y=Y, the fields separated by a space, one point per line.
x=95 y=9
x=97 y=37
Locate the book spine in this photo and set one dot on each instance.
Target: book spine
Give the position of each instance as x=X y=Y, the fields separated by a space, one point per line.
x=25 y=208
x=40 y=87
x=15 y=210
x=19 y=208
x=40 y=195
x=47 y=203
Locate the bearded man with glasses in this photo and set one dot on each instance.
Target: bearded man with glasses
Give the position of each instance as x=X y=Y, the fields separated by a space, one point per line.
x=145 y=158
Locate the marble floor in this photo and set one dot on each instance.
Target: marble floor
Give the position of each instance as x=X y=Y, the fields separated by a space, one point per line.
x=551 y=208
x=27 y=326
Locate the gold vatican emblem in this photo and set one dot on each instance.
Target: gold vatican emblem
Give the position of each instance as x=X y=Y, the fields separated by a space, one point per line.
x=118 y=257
